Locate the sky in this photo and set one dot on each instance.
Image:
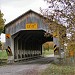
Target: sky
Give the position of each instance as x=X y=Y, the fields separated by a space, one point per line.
x=14 y=8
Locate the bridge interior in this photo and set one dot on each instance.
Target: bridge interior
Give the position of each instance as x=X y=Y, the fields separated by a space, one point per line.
x=28 y=43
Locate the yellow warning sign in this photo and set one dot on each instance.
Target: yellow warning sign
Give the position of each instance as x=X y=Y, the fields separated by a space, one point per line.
x=8 y=36
x=31 y=26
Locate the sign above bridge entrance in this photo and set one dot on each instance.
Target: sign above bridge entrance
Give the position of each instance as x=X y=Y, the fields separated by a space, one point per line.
x=31 y=26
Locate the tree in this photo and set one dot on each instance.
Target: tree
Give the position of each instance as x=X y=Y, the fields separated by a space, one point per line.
x=61 y=13
x=2 y=22
x=46 y=46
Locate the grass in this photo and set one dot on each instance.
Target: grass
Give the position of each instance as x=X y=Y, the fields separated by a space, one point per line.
x=60 y=69
x=3 y=57
x=3 y=54
x=48 y=52
x=65 y=67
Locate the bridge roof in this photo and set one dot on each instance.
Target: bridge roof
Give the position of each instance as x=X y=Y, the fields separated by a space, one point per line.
x=29 y=11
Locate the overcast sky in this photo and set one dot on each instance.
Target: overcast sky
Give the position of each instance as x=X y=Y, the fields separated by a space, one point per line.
x=14 y=8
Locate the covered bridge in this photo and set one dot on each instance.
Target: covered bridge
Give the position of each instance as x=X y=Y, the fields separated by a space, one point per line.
x=25 y=35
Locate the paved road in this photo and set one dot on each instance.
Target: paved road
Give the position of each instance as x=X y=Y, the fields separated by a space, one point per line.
x=33 y=67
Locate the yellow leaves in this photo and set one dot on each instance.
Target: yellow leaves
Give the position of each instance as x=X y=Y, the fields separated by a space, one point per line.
x=46 y=45
x=56 y=34
x=71 y=53
x=71 y=46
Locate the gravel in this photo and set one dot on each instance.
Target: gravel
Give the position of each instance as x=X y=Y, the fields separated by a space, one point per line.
x=33 y=67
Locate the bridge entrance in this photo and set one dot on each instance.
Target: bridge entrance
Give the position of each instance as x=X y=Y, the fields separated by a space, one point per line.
x=28 y=43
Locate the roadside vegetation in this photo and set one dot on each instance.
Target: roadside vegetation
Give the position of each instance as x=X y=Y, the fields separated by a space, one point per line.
x=3 y=57
x=48 y=48
x=59 y=69
x=3 y=54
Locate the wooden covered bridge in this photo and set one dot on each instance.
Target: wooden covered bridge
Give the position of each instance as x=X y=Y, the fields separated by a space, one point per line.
x=25 y=35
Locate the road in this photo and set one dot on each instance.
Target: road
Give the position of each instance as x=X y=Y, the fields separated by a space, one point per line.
x=33 y=67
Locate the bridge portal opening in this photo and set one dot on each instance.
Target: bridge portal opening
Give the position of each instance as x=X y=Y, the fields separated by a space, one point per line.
x=28 y=43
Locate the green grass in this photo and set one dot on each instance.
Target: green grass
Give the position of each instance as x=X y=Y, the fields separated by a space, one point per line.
x=48 y=52
x=59 y=69
x=3 y=54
